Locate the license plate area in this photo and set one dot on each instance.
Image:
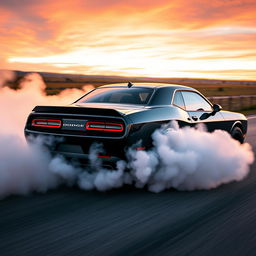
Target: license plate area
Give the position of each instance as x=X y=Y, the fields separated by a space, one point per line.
x=73 y=125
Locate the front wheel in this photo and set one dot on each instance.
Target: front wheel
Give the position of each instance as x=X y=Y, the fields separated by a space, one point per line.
x=237 y=134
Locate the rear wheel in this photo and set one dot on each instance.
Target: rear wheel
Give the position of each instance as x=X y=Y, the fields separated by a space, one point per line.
x=237 y=134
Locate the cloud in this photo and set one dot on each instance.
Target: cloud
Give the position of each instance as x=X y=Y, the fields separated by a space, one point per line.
x=200 y=13
x=135 y=30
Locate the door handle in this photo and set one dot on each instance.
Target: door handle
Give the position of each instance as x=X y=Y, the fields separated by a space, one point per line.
x=195 y=118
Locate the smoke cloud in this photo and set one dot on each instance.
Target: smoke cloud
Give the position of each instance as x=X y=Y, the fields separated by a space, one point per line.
x=15 y=105
x=25 y=168
x=189 y=159
x=184 y=159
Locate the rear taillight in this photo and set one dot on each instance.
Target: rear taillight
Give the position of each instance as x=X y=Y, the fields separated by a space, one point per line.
x=103 y=126
x=49 y=123
x=104 y=157
x=140 y=148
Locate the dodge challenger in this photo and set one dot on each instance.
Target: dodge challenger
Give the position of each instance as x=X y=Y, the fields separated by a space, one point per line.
x=121 y=115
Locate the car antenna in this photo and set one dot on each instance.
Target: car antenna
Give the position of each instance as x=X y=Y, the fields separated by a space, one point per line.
x=130 y=84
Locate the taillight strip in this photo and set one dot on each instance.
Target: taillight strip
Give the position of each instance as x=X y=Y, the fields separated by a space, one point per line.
x=104 y=126
x=49 y=123
x=140 y=148
x=104 y=157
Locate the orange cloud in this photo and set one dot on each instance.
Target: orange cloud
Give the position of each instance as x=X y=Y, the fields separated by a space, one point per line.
x=136 y=37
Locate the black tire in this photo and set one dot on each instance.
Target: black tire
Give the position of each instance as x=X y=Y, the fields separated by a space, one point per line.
x=237 y=134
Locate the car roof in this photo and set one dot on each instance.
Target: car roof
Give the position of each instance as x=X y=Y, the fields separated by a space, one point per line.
x=148 y=85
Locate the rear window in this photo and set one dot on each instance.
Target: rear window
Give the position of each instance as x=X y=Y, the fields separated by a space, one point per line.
x=162 y=96
x=139 y=96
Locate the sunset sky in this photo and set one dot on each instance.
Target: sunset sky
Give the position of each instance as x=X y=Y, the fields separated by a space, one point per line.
x=175 y=38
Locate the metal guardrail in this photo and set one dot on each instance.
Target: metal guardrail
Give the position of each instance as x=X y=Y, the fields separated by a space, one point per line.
x=234 y=102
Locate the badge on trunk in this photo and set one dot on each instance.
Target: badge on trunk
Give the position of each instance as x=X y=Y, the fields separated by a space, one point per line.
x=73 y=124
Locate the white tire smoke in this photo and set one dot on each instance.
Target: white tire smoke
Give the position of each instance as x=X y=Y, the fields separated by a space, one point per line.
x=189 y=159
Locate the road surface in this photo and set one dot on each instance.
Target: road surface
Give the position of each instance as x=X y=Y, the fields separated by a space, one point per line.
x=129 y=221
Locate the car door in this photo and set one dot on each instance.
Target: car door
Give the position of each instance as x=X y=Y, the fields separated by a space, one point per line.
x=200 y=110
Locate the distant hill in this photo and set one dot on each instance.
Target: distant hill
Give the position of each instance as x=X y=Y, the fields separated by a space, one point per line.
x=100 y=80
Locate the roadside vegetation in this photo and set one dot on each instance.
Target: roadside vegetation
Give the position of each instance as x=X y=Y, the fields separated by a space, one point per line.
x=210 y=88
x=249 y=111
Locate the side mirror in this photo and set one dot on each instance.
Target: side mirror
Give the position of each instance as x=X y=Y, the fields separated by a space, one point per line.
x=216 y=108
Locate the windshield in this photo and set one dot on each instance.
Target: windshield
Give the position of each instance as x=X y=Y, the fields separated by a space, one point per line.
x=120 y=95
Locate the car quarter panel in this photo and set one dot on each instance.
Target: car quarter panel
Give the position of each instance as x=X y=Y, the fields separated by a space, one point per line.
x=159 y=114
x=144 y=123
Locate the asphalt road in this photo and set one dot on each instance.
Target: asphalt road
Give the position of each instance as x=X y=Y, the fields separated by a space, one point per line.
x=129 y=221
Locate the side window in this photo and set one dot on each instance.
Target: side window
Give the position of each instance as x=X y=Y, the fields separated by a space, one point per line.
x=178 y=100
x=195 y=102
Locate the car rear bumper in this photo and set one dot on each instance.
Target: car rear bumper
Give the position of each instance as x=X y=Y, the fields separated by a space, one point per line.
x=76 y=149
x=81 y=144
x=83 y=160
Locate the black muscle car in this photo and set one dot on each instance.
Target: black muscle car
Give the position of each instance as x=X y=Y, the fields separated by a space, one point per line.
x=118 y=116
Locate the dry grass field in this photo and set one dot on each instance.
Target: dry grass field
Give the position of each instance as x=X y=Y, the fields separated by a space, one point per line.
x=56 y=82
x=210 y=88
x=206 y=89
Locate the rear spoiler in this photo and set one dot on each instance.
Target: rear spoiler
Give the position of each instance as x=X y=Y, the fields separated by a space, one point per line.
x=77 y=110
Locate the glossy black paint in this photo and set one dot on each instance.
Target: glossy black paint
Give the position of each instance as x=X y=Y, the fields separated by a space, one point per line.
x=139 y=121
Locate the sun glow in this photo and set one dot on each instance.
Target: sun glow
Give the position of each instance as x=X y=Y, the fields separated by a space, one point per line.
x=154 y=40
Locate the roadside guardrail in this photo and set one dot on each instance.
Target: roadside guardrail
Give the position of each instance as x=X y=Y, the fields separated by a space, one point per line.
x=234 y=102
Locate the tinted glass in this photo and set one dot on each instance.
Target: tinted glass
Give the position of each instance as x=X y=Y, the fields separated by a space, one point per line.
x=178 y=100
x=118 y=95
x=195 y=102
x=162 y=96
